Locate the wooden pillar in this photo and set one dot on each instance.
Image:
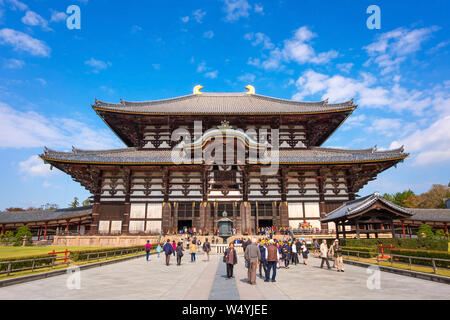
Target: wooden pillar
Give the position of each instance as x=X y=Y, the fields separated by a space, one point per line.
x=256 y=218
x=126 y=218
x=357 y=230
x=166 y=212
x=403 y=229
x=343 y=230
x=67 y=225
x=337 y=229
x=445 y=227
x=284 y=214
x=45 y=231
x=393 y=229
x=3 y=228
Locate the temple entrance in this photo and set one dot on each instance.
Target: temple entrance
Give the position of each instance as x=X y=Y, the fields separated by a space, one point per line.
x=184 y=223
x=265 y=223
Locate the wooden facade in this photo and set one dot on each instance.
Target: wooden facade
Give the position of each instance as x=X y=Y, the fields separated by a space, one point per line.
x=142 y=189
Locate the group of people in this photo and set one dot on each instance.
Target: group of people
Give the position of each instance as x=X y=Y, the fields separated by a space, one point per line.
x=268 y=254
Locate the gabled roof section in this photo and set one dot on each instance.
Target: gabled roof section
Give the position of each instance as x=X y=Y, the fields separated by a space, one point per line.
x=44 y=215
x=351 y=208
x=223 y=103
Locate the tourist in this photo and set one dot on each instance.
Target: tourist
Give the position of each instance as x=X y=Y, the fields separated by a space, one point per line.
x=168 y=249
x=230 y=259
x=158 y=249
x=193 y=250
x=244 y=244
x=272 y=259
x=206 y=248
x=174 y=246
x=285 y=254
x=305 y=252
x=294 y=253
x=212 y=240
x=324 y=254
x=252 y=255
x=316 y=247
x=336 y=252
x=262 y=259
x=179 y=250
x=148 y=247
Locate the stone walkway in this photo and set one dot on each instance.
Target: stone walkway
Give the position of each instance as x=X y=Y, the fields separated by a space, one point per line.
x=138 y=279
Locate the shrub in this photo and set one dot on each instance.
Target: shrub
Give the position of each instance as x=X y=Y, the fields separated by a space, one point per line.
x=17 y=264
x=82 y=255
x=22 y=232
x=425 y=230
x=425 y=254
x=420 y=243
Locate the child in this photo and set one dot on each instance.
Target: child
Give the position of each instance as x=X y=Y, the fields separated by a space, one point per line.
x=158 y=249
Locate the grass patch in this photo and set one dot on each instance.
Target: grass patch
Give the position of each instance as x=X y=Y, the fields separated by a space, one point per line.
x=424 y=269
x=12 y=252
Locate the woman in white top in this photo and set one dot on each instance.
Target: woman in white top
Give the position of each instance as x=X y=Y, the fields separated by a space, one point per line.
x=305 y=252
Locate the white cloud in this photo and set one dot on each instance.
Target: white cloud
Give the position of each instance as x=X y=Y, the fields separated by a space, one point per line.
x=57 y=16
x=23 y=42
x=212 y=74
x=16 y=5
x=42 y=81
x=392 y=48
x=259 y=38
x=298 y=49
x=31 y=18
x=135 y=29
x=35 y=167
x=13 y=63
x=344 y=67
x=236 y=9
x=185 y=19
x=30 y=129
x=208 y=34
x=198 y=15
x=247 y=78
x=201 y=67
x=429 y=145
x=258 y=9
x=97 y=65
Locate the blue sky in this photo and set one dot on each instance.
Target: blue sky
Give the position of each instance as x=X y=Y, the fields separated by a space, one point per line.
x=144 y=50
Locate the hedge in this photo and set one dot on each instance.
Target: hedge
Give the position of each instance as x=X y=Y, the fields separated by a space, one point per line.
x=81 y=255
x=425 y=254
x=364 y=252
x=25 y=264
x=419 y=243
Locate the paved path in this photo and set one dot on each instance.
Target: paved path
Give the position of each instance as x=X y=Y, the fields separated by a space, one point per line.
x=138 y=279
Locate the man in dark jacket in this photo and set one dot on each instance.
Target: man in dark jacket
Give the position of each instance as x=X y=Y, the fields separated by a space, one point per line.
x=206 y=248
x=272 y=259
x=168 y=250
x=262 y=260
x=179 y=250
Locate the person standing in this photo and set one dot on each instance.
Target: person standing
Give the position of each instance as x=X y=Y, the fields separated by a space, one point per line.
x=252 y=255
x=324 y=254
x=193 y=250
x=336 y=252
x=179 y=251
x=272 y=259
x=294 y=253
x=262 y=259
x=168 y=249
x=206 y=248
x=305 y=252
x=148 y=247
x=230 y=259
x=158 y=249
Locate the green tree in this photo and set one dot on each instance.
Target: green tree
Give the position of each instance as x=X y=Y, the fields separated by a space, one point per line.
x=425 y=230
x=440 y=234
x=399 y=197
x=21 y=232
x=86 y=202
x=75 y=203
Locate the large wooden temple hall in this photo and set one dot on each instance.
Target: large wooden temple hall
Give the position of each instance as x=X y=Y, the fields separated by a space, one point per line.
x=171 y=174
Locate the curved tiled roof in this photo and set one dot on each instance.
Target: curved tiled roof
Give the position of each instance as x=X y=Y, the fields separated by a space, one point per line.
x=223 y=103
x=356 y=206
x=133 y=155
x=44 y=215
x=438 y=215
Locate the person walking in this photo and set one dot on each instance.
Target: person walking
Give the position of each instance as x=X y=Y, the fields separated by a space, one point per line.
x=324 y=254
x=193 y=250
x=179 y=251
x=252 y=256
x=336 y=253
x=206 y=248
x=294 y=253
x=316 y=247
x=168 y=249
x=305 y=252
x=230 y=259
x=158 y=249
x=148 y=247
x=272 y=259
x=262 y=261
x=285 y=254
x=174 y=246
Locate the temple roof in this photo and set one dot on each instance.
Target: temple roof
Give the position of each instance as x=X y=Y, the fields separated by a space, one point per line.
x=223 y=103
x=438 y=215
x=44 y=215
x=351 y=208
x=314 y=155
